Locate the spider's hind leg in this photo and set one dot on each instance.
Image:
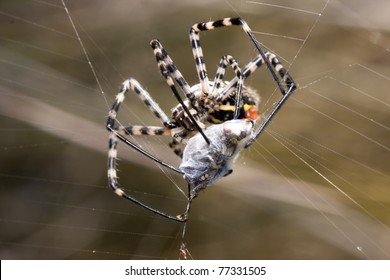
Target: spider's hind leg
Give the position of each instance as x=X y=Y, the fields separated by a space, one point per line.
x=113 y=178
x=120 y=133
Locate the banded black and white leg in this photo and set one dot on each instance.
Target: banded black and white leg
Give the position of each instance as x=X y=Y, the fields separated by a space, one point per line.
x=255 y=64
x=228 y=60
x=169 y=69
x=170 y=73
x=120 y=132
x=200 y=63
x=144 y=96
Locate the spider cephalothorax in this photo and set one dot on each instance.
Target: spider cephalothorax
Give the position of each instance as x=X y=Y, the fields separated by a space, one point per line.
x=212 y=111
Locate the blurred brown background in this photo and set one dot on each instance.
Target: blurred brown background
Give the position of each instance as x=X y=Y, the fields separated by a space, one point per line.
x=55 y=203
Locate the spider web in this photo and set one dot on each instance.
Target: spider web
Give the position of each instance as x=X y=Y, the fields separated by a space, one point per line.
x=314 y=186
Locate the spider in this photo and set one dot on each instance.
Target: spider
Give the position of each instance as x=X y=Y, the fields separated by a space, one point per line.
x=214 y=121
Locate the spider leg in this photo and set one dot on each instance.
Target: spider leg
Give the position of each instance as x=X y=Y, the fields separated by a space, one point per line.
x=258 y=61
x=255 y=64
x=173 y=144
x=268 y=119
x=113 y=179
x=133 y=85
x=145 y=97
x=271 y=61
x=224 y=62
x=198 y=54
x=143 y=130
x=118 y=133
x=169 y=70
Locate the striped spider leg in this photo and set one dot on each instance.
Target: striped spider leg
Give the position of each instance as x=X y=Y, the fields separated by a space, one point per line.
x=120 y=132
x=201 y=66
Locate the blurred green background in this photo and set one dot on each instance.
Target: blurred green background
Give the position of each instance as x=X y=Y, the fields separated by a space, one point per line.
x=55 y=202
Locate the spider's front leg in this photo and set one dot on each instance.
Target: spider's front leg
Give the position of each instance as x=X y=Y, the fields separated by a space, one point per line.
x=199 y=60
x=197 y=49
x=255 y=64
x=170 y=72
